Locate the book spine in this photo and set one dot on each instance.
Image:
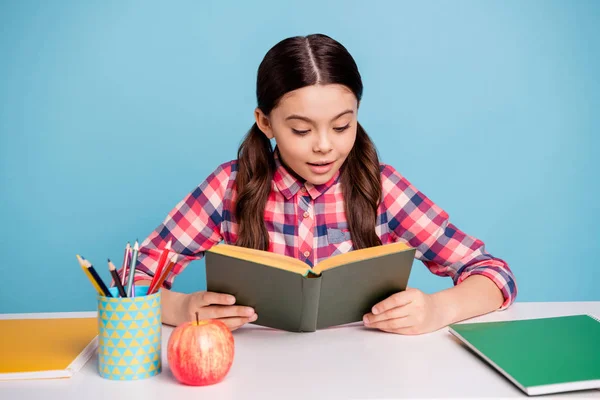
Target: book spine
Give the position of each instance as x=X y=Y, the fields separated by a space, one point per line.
x=311 y=291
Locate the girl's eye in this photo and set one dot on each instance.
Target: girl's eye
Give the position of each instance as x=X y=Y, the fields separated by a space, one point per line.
x=304 y=132
x=297 y=132
x=342 y=128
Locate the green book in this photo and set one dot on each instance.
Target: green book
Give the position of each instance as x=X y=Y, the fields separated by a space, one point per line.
x=540 y=356
x=288 y=294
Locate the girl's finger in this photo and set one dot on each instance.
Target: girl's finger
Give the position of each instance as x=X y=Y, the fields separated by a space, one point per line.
x=234 y=323
x=219 y=312
x=395 y=300
x=398 y=312
x=207 y=298
x=393 y=324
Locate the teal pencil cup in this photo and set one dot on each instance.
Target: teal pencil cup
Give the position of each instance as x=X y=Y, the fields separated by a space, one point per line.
x=129 y=335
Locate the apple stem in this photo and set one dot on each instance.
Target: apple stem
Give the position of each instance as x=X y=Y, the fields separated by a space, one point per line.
x=197 y=321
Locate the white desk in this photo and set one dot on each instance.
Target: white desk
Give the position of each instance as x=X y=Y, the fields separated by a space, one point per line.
x=343 y=362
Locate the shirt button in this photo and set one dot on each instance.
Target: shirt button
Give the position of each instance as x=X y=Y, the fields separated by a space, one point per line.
x=303 y=189
x=306 y=254
x=306 y=214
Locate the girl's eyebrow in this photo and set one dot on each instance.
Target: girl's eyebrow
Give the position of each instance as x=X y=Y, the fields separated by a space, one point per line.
x=300 y=117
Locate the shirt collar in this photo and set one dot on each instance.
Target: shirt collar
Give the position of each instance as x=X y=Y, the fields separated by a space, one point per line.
x=290 y=183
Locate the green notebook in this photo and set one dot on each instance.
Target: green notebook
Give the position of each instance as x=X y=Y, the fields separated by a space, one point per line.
x=540 y=356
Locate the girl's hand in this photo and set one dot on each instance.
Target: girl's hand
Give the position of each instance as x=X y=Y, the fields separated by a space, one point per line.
x=211 y=305
x=410 y=312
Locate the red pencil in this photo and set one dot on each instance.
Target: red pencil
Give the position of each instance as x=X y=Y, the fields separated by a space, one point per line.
x=163 y=276
x=161 y=264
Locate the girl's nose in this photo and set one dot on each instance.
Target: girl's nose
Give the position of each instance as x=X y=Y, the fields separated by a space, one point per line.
x=323 y=144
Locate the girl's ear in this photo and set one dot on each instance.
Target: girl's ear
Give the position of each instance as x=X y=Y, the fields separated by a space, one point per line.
x=263 y=123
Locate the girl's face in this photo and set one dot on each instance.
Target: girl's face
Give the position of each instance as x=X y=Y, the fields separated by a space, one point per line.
x=314 y=128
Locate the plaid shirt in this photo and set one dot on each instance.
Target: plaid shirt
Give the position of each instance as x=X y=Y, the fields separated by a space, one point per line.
x=308 y=222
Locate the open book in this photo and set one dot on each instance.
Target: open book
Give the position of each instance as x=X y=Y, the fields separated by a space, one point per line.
x=539 y=356
x=47 y=347
x=288 y=294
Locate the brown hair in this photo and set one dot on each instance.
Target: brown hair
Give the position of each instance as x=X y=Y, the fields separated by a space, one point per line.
x=291 y=64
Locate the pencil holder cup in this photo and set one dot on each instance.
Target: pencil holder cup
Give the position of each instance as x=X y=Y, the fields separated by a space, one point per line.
x=129 y=335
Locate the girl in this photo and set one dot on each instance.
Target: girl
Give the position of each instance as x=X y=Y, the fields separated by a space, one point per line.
x=319 y=192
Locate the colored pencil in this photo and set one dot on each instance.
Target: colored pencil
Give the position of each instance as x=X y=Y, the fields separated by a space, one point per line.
x=97 y=278
x=134 y=257
x=83 y=265
x=116 y=278
x=126 y=258
x=161 y=263
x=132 y=283
x=163 y=276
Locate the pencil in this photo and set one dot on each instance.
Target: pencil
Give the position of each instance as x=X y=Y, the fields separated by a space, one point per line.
x=129 y=261
x=126 y=259
x=163 y=276
x=83 y=265
x=134 y=257
x=161 y=263
x=116 y=278
x=97 y=278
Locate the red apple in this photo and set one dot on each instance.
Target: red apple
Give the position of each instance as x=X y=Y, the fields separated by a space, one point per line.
x=201 y=352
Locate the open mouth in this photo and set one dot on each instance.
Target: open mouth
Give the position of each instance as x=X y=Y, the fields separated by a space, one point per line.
x=321 y=167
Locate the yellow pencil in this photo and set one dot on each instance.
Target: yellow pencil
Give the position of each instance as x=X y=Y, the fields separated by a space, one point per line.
x=83 y=264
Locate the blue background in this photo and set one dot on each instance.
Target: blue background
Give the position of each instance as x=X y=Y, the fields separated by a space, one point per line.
x=110 y=112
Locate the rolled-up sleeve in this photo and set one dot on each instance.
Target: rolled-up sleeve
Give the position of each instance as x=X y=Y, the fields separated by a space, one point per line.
x=440 y=245
x=193 y=226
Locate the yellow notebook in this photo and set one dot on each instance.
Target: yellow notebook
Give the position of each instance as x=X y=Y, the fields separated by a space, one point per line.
x=46 y=348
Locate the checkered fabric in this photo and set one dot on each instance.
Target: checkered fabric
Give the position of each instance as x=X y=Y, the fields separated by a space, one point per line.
x=308 y=222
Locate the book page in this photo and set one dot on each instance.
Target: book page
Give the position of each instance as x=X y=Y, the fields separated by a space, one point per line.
x=361 y=254
x=262 y=257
